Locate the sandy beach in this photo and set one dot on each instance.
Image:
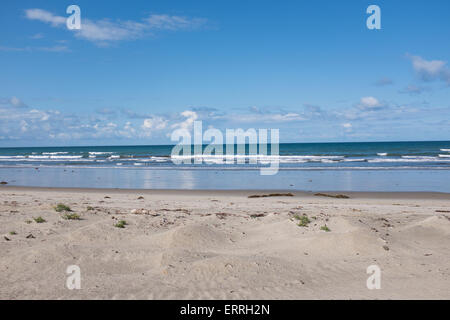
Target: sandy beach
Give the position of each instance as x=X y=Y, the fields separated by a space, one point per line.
x=223 y=244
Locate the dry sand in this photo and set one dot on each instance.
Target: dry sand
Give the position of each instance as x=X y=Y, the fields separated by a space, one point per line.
x=207 y=245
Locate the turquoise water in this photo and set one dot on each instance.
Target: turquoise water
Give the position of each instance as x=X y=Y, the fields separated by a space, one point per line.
x=378 y=166
x=387 y=155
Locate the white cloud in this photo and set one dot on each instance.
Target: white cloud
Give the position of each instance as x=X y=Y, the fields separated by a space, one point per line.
x=104 y=31
x=166 y=22
x=413 y=89
x=369 y=103
x=16 y=102
x=128 y=131
x=23 y=126
x=13 y=102
x=265 y=115
x=155 y=123
x=34 y=125
x=347 y=125
x=37 y=125
x=286 y=117
x=45 y=16
x=190 y=117
x=431 y=69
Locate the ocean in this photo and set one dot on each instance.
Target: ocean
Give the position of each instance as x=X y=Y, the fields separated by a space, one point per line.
x=370 y=166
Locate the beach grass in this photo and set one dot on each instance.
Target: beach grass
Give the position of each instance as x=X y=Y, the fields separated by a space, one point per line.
x=60 y=207
x=121 y=224
x=303 y=221
x=71 y=216
x=39 y=220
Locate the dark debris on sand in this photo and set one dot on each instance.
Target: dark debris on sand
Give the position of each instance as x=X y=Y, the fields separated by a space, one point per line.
x=271 y=195
x=338 y=196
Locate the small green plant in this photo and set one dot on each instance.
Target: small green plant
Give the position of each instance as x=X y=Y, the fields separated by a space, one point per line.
x=71 y=216
x=121 y=224
x=89 y=208
x=325 y=228
x=39 y=220
x=303 y=221
x=12 y=233
x=60 y=207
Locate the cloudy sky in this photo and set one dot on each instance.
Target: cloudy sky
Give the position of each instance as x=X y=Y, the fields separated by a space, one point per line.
x=137 y=70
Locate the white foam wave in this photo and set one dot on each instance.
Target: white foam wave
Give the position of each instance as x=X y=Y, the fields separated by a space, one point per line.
x=355 y=160
x=189 y=168
x=421 y=159
x=12 y=157
x=159 y=158
x=55 y=157
x=382 y=154
x=327 y=160
x=99 y=153
x=46 y=160
x=66 y=157
x=256 y=158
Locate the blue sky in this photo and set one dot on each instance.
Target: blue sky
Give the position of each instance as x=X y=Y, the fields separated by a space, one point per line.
x=138 y=69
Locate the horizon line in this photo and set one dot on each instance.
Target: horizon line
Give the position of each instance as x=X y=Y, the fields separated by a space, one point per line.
x=165 y=145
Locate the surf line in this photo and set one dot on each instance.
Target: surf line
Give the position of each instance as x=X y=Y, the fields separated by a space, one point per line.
x=235 y=143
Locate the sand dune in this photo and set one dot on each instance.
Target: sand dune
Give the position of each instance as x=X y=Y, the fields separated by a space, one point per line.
x=223 y=245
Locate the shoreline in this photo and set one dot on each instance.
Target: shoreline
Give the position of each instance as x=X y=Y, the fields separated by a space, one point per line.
x=302 y=180
x=242 y=192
